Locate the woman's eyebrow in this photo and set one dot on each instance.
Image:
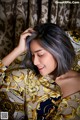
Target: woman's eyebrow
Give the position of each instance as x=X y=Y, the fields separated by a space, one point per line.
x=37 y=50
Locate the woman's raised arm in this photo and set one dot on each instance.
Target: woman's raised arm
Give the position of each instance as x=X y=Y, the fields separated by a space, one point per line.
x=19 y=49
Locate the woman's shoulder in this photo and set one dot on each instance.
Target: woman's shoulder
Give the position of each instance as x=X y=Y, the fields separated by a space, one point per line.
x=69 y=83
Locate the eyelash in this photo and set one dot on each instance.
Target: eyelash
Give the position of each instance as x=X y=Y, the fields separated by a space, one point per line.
x=38 y=55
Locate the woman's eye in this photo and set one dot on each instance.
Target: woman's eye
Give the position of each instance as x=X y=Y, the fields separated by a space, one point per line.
x=40 y=55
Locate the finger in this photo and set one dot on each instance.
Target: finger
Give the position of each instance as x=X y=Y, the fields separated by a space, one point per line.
x=25 y=35
x=28 y=30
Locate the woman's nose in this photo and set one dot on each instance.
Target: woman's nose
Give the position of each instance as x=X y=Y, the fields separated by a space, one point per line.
x=36 y=60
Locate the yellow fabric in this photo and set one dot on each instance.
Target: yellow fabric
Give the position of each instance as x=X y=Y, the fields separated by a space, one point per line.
x=25 y=94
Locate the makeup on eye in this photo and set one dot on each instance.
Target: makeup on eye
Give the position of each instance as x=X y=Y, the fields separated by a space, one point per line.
x=38 y=53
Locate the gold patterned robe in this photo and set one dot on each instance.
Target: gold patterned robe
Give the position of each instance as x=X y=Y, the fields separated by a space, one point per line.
x=26 y=96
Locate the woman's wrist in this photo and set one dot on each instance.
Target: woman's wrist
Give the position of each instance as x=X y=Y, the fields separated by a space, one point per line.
x=21 y=49
x=18 y=51
x=11 y=56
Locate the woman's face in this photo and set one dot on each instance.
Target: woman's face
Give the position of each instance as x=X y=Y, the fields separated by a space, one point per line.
x=41 y=58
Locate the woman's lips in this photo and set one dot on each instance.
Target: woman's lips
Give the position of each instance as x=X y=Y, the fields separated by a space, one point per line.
x=40 y=68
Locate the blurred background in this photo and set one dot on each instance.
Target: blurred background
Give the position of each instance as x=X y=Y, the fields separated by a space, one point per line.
x=18 y=15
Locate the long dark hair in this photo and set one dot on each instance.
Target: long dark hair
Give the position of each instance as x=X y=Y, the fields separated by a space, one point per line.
x=52 y=38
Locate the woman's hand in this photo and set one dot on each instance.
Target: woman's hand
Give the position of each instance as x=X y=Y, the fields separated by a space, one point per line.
x=19 y=49
x=22 y=43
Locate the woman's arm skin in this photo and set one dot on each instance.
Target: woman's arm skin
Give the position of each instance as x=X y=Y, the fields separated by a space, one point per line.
x=19 y=49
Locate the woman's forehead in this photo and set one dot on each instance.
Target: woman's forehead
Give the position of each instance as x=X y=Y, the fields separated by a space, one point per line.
x=35 y=46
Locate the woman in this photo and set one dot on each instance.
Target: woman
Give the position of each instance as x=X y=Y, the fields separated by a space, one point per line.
x=48 y=89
